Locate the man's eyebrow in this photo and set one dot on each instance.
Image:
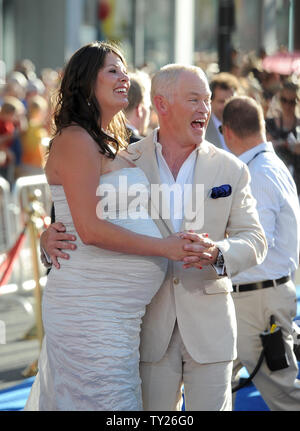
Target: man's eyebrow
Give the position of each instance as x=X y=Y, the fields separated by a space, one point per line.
x=195 y=93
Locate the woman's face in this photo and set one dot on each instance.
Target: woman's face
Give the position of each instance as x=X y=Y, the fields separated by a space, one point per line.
x=111 y=89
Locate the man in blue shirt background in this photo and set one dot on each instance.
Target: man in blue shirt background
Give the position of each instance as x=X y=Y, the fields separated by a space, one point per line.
x=267 y=289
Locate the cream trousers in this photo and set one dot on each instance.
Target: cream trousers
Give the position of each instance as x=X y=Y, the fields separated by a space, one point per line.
x=207 y=387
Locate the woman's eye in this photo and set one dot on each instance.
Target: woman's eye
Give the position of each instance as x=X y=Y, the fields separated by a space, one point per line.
x=113 y=71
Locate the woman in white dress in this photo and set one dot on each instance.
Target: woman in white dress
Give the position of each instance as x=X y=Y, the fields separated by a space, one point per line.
x=93 y=305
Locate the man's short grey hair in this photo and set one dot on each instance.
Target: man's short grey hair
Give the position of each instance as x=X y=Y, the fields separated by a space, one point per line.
x=164 y=81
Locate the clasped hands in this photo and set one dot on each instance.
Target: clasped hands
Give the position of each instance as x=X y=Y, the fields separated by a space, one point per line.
x=197 y=249
x=201 y=250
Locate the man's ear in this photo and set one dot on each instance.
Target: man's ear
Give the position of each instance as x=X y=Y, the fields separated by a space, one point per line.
x=161 y=104
x=229 y=135
x=227 y=131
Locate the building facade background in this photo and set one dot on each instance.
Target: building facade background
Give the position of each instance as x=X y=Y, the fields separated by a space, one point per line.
x=152 y=32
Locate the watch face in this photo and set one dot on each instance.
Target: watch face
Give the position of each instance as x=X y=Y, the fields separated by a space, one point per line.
x=220 y=259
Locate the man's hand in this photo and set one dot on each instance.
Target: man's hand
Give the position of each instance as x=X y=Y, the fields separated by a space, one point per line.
x=206 y=250
x=54 y=240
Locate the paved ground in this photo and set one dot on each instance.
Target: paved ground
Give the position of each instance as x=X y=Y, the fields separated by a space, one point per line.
x=17 y=313
x=17 y=353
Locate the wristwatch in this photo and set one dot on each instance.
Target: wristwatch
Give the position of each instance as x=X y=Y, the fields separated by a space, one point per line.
x=45 y=258
x=220 y=260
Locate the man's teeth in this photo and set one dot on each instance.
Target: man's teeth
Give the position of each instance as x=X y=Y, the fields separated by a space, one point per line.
x=200 y=122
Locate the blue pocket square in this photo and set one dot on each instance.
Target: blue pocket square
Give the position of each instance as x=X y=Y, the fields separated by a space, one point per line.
x=221 y=191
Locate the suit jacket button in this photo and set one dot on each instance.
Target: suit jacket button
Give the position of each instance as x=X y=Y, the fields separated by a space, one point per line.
x=176 y=280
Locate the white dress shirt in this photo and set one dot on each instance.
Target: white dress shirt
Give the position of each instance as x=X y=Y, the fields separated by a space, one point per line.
x=185 y=176
x=278 y=207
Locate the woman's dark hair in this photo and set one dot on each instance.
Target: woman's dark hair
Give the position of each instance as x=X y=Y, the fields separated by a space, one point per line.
x=77 y=102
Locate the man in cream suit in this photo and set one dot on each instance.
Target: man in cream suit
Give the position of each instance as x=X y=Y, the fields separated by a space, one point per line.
x=189 y=329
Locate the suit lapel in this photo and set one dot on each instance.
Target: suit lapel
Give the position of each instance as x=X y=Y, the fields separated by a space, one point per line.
x=205 y=174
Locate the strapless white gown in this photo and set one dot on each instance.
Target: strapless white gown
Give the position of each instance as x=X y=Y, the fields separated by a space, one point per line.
x=92 y=309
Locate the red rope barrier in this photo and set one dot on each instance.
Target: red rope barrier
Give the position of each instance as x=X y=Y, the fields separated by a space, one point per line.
x=12 y=255
x=4 y=264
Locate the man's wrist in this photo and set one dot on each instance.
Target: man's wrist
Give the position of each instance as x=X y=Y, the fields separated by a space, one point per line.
x=45 y=258
x=220 y=259
x=219 y=264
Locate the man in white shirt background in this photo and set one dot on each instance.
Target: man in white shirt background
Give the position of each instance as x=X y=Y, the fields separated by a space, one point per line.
x=223 y=86
x=139 y=107
x=266 y=289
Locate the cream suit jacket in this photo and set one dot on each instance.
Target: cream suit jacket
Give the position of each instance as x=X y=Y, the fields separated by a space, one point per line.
x=200 y=300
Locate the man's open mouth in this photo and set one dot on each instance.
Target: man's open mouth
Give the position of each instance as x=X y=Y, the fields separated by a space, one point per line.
x=198 y=124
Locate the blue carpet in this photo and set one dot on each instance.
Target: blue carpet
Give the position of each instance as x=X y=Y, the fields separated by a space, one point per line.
x=247 y=399
x=15 y=398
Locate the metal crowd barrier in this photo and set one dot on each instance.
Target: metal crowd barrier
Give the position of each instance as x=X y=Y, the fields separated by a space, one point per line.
x=6 y=232
x=14 y=205
x=24 y=190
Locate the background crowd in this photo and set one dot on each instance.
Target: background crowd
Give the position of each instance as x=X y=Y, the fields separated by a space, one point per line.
x=27 y=100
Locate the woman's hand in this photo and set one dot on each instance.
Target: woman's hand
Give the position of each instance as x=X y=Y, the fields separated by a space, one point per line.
x=173 y=247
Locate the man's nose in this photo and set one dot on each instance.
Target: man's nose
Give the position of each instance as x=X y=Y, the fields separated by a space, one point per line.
x=203 y=107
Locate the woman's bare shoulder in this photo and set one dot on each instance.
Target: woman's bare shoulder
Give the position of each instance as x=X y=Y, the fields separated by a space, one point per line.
x=73 y=131
x=71 y=137
x=73 y=148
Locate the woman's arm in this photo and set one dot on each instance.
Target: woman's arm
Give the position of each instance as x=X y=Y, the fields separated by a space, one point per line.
x=76 y=161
